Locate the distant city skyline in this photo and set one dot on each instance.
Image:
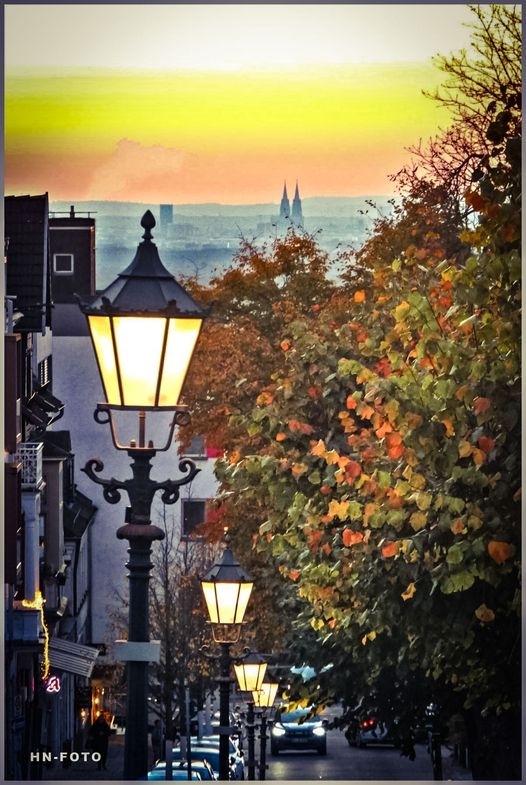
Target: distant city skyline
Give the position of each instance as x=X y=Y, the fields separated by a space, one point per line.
x=219 y=103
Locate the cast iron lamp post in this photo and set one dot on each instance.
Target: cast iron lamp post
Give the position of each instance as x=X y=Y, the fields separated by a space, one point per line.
x=226 y=589
x=144 y=327
x=250 y=674
x=264 y=699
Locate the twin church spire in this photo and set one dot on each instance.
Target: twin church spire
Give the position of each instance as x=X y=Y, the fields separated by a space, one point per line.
x=286 y=214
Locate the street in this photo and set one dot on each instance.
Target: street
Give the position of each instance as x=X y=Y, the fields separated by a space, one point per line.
x=343 y=762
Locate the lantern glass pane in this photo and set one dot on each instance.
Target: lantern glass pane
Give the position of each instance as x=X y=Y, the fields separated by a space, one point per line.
x=182 y=337
x=250 y=675
x=209 y=592
x=139 y=341
x=226 y=602
x=265 y=696
x=100 y=328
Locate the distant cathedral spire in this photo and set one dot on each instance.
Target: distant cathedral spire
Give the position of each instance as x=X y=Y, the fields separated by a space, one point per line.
x=297 y=213
x=284 y=208
x=287 y=217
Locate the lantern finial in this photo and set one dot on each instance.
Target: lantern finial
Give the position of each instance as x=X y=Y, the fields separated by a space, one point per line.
x=147 y=223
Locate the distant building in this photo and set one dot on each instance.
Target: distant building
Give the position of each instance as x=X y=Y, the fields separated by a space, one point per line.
x=287 y=217
x=47 y=581
x=166 y=215
x=72 y=252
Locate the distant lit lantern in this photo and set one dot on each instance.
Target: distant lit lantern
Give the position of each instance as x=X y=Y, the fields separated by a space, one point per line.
x=144 y=327
x=226 y=589
x=250 y=673
x=266 y=695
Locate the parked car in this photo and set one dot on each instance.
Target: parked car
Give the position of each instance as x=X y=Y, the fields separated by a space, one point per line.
x=178 y=774
x=370 y=730
x=237 y=761
x=211 y=754
x=300 y=729
x=202 y=769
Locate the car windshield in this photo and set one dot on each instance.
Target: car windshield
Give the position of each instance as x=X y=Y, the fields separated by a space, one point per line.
x=294 y=716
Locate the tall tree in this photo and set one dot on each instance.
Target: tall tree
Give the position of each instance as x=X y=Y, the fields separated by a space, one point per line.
x=178 y=621
x=388 y=457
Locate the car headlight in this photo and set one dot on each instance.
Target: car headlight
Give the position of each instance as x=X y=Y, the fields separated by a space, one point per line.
x=278 y=730
x=319 y=731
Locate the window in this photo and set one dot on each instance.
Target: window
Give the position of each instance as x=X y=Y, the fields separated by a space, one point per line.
x=197 y=448
x=44 y=371
x=193 y=513
x=63 y=263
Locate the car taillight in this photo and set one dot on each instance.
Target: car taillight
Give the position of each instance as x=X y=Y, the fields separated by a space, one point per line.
x=368 y=724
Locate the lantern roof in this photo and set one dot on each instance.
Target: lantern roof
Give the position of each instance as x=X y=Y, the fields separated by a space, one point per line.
x=228 y=570
x=145 y=287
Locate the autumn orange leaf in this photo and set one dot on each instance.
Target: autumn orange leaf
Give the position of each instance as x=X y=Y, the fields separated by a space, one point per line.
x=296 y=426
x=409 y=592
x=365 y=411
x=318 y=448
x=350 y=537
x=285 y=345
x=298 y=469
x=481 y=405
x=351 y=402
x=394 y=499
x=458 y=526
x=395 y=448
x=280 y=437
x=264 y=398
x=313 y=539
x=352 y=470
x=294 y=574
x=500 y=551
x=484 y=614
x=486 y=443
x=359 y=296
x=448 y=425
x=389 y=549
x=383 y=429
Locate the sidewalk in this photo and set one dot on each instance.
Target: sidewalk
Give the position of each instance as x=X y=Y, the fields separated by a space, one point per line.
x=451 y=768
x=87 y=771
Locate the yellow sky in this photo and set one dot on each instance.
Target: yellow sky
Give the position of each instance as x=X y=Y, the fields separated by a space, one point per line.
x=219 y=103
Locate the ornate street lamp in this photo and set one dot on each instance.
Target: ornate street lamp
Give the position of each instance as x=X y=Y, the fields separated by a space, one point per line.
x=266 y=695
x=144 y=327
x=226 y=589
x=264 y=699
x=250 y=674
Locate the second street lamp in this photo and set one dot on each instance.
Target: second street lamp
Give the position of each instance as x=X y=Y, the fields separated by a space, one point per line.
x=250 y=674
x=144 y=327
x=226 y=589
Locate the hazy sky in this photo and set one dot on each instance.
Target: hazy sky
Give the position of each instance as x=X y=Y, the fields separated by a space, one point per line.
x=219 y=102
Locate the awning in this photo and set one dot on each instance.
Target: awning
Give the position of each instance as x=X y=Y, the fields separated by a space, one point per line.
x=72 y=657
